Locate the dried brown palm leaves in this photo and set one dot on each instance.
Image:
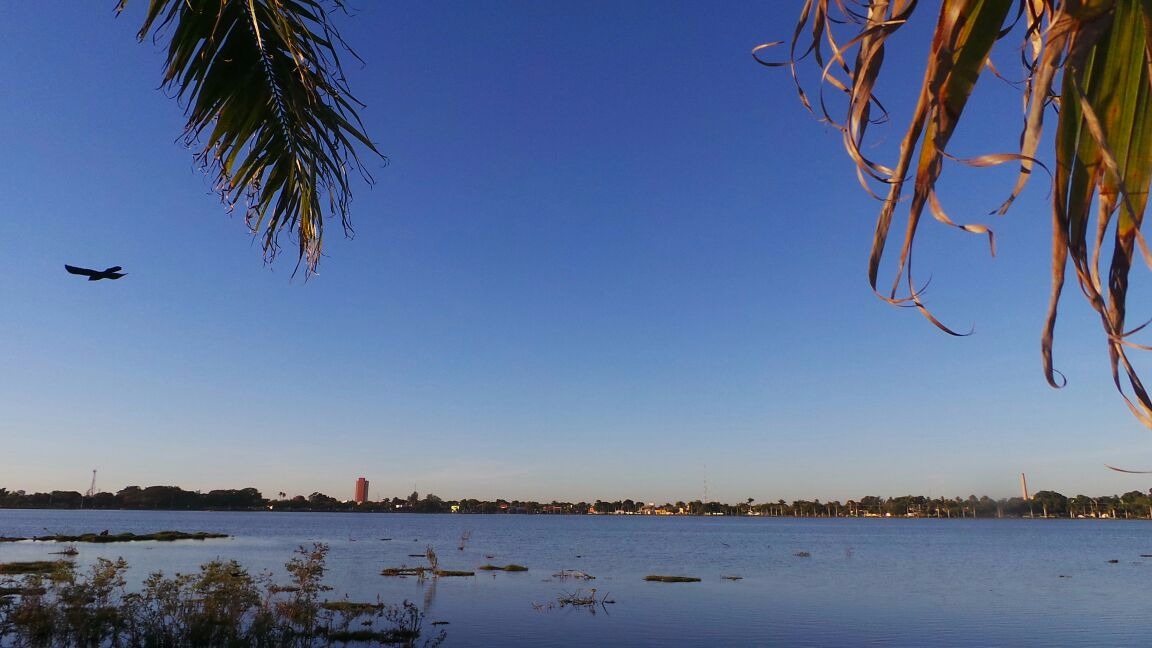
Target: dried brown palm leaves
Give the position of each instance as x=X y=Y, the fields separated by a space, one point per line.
x=268 y=105
x=1089 y=58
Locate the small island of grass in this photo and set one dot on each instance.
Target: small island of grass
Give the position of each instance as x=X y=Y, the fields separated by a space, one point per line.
x=454 y=572
x=421 y=572
x=672 y=579
x=105 y=537
x=352 y=608
x=507 y=568
x=34 y=567
x=404 y=571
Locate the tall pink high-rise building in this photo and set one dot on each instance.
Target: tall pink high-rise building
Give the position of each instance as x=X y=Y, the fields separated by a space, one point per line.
x=361 y=490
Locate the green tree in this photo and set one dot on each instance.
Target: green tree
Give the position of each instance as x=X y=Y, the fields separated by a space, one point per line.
x=1087 y=58
x=1136 y=504
x=268 y=109
x=430 y=504
x=321 y=502
x=1050 y=504
x=871 y=505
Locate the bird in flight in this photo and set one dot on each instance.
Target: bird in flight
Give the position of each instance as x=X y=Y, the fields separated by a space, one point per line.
x=96 y=275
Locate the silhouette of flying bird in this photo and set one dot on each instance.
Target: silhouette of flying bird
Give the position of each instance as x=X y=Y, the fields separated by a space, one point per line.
x=96 y=275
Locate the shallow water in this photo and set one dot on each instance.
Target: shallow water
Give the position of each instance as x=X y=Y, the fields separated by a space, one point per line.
x=876 y=582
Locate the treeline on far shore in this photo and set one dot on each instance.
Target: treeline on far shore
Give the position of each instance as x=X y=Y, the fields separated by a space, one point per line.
x=1130 y=505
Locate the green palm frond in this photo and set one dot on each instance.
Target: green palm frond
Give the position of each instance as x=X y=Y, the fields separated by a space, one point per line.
x=1089 y=58
x=268 y=109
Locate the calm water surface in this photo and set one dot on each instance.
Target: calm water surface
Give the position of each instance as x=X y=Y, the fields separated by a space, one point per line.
x=866 y=581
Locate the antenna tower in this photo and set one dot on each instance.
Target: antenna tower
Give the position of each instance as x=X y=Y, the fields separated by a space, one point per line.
x=92 y=487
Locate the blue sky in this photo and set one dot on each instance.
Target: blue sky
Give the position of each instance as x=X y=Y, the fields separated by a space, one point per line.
x=611 y=257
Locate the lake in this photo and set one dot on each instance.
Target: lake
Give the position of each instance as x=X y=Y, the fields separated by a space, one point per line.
x=804 y=582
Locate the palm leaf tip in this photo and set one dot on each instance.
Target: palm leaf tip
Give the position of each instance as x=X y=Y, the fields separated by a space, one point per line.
x=269 y=111
x=1125 y=470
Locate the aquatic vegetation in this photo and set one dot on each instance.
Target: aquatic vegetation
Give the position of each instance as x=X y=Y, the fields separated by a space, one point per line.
x=404 y=571
x=105 y=537
x=220 y=605
x=732 y=578
x=421 y=572
x=351 y=607
x=802 y=554
x=573 y=574
x=9 y=590
x=672 y=579
x=507 y=568
x=433 y=567
x=576 y=599
x=34 y=567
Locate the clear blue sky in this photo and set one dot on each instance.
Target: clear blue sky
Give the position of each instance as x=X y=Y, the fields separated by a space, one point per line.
x=612 y=257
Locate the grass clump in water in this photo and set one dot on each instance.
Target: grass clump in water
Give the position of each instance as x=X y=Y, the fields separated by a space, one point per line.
x=34 y=567
x=220 y=605
x=507 y=568
x=672 y=579
x=351 y=607
x=105 y=537
x=404 y=571
x=573 y=574
x=432 y=569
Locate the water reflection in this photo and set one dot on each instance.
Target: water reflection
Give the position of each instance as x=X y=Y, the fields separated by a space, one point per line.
x=429 y=586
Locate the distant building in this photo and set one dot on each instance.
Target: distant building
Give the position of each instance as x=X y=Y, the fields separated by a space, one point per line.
x=361 y=490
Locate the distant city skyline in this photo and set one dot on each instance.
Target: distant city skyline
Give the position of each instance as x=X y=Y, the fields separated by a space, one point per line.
x=362 y=494
x=608 y=249
x=1130 y=504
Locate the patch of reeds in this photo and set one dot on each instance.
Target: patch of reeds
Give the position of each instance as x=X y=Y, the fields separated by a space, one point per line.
x=565 y=574
x=507 y=568
x=34 y=567
x=672 y=579
x=8 y=590
x=221 y=605
x=105 y=537
x=421 y=572
x=732 y=578
x=351 y=607
x=577 y=599
x=404 y=571
x=433 y=568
